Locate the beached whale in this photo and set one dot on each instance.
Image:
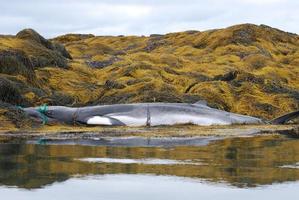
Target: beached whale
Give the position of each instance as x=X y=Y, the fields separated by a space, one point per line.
x=146 y=114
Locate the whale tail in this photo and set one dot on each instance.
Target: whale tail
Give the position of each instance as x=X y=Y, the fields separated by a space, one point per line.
x=285 y=118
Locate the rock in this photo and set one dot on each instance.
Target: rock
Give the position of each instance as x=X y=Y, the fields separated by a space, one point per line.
x=9 y=92
x=16 y=63
x=245 y=35
x=30 y=34
x=61 y=49
x=110 y=84
x=16 y=115
x=104 y=63
x=72 y=38
x=229 y=76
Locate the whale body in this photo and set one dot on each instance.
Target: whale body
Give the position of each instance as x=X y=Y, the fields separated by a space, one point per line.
x=147 y=114
x=142 y=114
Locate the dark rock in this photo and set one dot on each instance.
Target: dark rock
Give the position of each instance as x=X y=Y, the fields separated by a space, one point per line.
x=30 y=34
x=190 y=32
x=265 y=107
x=110 y=84
x=154 y=42
x=247 y=77
x=244 y=35
x=278 y=88
x=9 y=93
x=229 y=76
x=15 y=63
x=54 y=54
x=156 y=35
x=201 y=44
x=51 y=58
x=104 y=63
x=61 y=49
x=16 y=115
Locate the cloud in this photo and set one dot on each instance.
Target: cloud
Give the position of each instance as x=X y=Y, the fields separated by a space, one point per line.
x=127 y=17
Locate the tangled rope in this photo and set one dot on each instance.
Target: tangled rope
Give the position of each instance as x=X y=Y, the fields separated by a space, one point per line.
x=42 y=110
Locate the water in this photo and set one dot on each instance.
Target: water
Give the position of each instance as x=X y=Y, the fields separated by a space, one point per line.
x=262 y=167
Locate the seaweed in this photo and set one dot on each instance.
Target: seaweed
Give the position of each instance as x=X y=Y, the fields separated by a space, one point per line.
x=9 y=92
x=247 y=69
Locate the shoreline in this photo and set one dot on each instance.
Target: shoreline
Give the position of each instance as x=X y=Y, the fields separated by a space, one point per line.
x=63 y=132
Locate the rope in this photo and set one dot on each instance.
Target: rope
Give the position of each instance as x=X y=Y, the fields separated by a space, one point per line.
x=20 y=107
x=148 y=116
x=75 y=115
x=42 y=110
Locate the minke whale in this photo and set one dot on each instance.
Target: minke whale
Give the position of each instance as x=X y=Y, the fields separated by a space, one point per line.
x=147 y=114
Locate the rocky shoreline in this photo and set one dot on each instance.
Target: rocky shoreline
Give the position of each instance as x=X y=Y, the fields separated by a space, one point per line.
x=172 y=135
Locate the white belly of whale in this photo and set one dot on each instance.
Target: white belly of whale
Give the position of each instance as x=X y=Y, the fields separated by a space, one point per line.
x=186 y=119
x=99 y=120
x=130 y=121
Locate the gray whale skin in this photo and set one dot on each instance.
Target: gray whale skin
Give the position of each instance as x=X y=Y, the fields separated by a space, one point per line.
x=147 y=114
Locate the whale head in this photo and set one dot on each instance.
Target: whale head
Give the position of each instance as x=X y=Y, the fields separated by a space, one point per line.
x=47 y=114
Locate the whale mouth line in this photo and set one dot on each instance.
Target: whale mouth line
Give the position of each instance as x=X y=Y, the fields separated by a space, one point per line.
x=148 y=161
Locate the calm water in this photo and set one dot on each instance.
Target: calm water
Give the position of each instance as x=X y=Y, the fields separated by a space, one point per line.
x=260 y=167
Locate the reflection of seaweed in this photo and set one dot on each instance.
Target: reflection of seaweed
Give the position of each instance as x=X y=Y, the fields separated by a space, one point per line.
x=241 y=162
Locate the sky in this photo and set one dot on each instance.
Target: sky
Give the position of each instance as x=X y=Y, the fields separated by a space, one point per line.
x=140 y=17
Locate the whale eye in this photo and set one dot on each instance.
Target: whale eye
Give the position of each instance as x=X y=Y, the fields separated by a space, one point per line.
x=49 y=112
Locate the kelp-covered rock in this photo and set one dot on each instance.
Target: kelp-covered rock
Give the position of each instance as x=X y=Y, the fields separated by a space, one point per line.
x=16 y=63
x=72 y=38
x=9 y=92
x=61 y=49
x=14 y=117
x=40 y=51
x=30 y=34
x=247 y=69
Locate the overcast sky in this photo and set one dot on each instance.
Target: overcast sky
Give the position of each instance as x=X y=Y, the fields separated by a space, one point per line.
x=133 y=17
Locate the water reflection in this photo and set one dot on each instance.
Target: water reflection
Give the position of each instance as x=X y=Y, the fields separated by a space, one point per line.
x=241 y=162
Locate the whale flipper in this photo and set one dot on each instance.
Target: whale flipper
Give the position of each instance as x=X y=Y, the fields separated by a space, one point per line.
x=103 y=120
